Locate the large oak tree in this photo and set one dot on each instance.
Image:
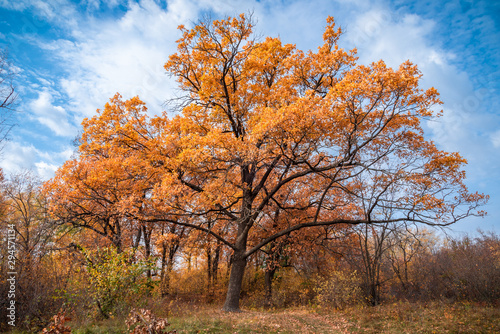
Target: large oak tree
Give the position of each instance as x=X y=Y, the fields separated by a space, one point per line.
x=265 y=128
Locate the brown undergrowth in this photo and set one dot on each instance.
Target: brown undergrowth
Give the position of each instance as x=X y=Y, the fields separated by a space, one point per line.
x=399 y=317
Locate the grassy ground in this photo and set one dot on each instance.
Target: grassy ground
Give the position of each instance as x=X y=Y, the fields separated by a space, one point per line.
x=393 y=318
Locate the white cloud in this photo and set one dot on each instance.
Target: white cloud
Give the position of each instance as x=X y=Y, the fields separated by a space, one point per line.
x=495 y=138
x=125 y=56
x=451 y=129
x=17 y=156
x=381 y=33
x=65 y=154
x=50 y=115
x=59 y=12
x=14 y=5
x=45 y=170
x=395 y=38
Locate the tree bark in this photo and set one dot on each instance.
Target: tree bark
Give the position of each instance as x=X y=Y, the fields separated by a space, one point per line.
x=239 y=263
x=268 y=279
x=209 y=268
x=147 y=248
x=165 y=279
x=215 y=263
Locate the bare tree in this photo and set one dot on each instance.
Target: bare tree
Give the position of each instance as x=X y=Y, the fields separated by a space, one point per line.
x=383 y=252
x=37 y=276
x=26 y=209
x=7 y=95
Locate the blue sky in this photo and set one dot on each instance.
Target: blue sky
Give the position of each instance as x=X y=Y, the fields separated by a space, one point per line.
x=72 y=56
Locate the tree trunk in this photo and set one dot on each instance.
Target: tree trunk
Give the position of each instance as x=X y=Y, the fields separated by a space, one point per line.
x=268 y=279
x=215 y=264
x=137 y=239
x=239 y=263
x=147 y=248
x=165 y=280
x=167 y=265
x=374 y=294
x=209 y=268
x=164 y=274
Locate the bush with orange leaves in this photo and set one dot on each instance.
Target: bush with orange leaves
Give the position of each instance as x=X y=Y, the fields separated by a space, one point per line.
x=143 y=321
x=57 y=325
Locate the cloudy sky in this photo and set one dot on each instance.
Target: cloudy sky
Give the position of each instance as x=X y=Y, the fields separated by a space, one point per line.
x=72 y=56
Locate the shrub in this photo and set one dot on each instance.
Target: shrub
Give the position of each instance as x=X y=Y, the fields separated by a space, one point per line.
x=112 y=277
x=464 y=269
x=339 y=289
x=57 y=325
x=144 y=322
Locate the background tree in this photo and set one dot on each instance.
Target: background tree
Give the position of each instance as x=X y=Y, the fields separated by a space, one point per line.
x=464 y=268
x=406 y=244
x=105 y=188
x=7 y=95
x=170 y=240
x=38 y=275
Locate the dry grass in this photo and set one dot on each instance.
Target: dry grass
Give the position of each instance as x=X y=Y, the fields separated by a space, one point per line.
x=394 y=318
x=287 y=321
x=430 y=318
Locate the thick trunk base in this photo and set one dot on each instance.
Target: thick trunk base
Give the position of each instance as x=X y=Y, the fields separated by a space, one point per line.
x=232 y=303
